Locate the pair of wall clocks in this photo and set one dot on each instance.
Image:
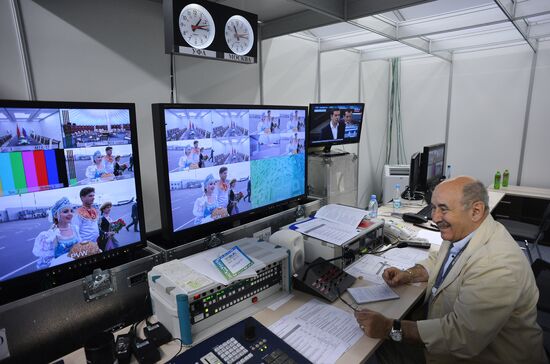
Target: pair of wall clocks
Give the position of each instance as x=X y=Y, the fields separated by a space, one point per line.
x=203 y=29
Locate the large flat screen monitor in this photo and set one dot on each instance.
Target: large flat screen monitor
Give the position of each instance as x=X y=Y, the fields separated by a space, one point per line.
x=69 y=188
x=221 y=163
x=413 y=191
x=433 y=165
x=332 y=124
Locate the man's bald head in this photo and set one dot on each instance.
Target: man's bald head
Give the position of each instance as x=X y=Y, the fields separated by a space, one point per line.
x=459 y=206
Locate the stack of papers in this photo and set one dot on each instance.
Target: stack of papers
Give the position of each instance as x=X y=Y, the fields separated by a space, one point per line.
x=371 y=267
x=204 y=263
x=335 y=224
x=320 y=332
x=375 y=293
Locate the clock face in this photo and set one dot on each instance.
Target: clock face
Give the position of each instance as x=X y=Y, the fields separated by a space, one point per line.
x=239 y=35
x=197 y=26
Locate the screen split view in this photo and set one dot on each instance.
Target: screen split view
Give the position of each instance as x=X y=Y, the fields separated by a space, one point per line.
x=49 y=155
x=70 y=187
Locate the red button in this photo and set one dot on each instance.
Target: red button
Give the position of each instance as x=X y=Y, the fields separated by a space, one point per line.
x=254 y=299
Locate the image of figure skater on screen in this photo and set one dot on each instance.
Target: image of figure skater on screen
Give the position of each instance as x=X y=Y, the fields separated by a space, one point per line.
x=234 y=198
x=206 y=207
x=222 y=191
x=60 y=238
x=108 y=228
x=189 y=160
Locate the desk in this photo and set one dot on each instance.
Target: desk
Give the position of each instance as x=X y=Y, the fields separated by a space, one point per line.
x=522 y=203
x=358 y=353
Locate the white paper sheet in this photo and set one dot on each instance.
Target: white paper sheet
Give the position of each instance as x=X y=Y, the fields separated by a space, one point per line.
x=374 y=293
x=325 y=230
x=434 y=237
x=405 y=256
x=371 y=267
x=185 y=277
x=348 y=217
x=320 y=332
x=275 y=305
x=203 y=263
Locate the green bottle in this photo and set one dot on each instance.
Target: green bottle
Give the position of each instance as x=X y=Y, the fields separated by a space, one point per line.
x=496 y=185
x=505 y=178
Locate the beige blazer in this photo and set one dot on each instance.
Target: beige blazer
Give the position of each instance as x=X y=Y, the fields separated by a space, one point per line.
x=485 y=309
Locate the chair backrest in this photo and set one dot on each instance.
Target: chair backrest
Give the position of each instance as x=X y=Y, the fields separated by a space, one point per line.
x=545 y=223
x=541 y=271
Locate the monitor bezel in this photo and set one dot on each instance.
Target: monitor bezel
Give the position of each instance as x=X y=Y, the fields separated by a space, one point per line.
x=22 y=286
x=328 y=144
x=415 y=168
x=171 y=238
x=427 y=184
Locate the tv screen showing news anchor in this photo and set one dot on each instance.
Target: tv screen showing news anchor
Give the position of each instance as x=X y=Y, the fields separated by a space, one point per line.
x=335 y=123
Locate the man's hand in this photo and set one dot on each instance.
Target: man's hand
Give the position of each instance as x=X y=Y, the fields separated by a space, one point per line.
x=396 y=277
x=374 y=324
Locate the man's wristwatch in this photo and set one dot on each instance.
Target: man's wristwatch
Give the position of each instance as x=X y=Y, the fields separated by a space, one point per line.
x=396 y=334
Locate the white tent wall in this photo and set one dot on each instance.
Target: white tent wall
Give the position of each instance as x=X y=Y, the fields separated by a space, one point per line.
x=424 y=91
x=289 y=71
x=12 y=77
x=488 y=104
x=535 y=165
x=374 y=93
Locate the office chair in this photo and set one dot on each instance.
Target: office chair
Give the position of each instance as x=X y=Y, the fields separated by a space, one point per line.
x=541 y=271
x=529 y=233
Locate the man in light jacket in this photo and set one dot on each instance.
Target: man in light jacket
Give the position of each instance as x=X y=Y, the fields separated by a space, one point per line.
x=481 y=293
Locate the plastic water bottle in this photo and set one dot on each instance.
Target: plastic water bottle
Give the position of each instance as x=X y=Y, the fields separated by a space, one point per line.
x=496 y=184
x=448 y=172
x=373 y=207
x=396 y=198
x=505 y=178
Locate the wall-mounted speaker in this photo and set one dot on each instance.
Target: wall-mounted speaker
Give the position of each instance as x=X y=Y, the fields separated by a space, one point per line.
x=294 y=242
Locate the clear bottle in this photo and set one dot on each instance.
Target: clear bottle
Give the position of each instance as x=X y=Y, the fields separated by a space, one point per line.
x=373 y=207
x=496 y=184
x=505 y=178
x=397 y=198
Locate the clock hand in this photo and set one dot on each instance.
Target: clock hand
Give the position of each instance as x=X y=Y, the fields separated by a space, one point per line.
x=236 y=32
x=195 y=27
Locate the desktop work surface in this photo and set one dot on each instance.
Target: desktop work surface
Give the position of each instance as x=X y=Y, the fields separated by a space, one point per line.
x=359 y=352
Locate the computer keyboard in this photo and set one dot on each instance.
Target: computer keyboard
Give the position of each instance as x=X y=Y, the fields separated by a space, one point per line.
x=426 y=211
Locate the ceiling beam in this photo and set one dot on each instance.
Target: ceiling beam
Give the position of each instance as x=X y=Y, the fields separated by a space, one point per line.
x=390 y=31
x=508 y=7
x=326 y=12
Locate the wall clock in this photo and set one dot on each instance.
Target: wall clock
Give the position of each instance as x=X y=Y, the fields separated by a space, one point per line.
x=197 y=26
x=239 y=35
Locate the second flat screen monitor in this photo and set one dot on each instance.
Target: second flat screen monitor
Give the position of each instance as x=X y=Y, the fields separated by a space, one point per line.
x=226 y=161
x=331 y=124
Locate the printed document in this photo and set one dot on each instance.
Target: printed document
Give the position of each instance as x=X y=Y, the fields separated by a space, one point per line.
x=335 y=224
x=320 y=332
x=202 y=262
x=374 y=293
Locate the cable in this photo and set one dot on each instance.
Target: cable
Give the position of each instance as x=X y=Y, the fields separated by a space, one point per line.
x=180 y=349
x=343 y=300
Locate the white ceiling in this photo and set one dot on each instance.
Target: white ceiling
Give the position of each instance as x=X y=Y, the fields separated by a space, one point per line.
x=439 y=28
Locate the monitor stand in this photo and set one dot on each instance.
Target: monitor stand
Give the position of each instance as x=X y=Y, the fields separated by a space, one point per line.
x=326 y=152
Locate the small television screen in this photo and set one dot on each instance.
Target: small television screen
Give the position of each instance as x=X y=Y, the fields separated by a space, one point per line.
x=220 y=163
x=433 y=164
x=331 y=124
x=69 y=184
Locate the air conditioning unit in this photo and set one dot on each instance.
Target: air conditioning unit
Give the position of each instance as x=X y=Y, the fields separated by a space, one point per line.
x=393 y=174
